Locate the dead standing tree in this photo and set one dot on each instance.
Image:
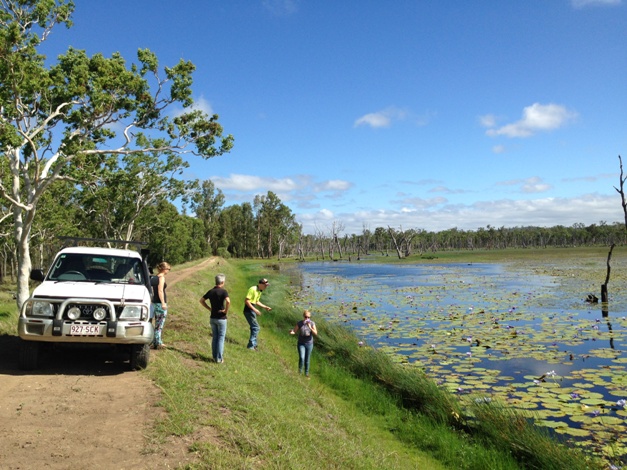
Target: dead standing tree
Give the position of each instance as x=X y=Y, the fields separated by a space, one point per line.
x=621 y=191
x=402 y=241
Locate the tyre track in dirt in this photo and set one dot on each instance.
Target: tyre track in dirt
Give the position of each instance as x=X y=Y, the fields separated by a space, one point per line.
x=83 y=411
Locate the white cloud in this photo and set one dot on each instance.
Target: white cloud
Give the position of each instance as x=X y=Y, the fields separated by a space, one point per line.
x=420 y=203
x=536 y=118
x=534 y=184
x=201 y=104
x=248 y=183
x=584 y=3
x=333 y=185
x=301 y=190
x=281 y=7
x=498 y=149
x=544 y=212
x=383 y=118
x=488 y=120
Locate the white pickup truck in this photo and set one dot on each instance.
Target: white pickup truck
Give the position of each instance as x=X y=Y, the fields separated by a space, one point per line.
x=90 y=296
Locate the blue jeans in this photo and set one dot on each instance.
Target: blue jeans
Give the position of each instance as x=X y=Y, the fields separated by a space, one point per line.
x=251 y=318
x=304 y=354
x=218 y=333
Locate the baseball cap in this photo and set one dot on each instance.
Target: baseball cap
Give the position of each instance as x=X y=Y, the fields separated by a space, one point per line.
x=264 y=281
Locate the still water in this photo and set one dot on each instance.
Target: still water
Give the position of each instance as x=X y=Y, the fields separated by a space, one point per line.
x=524 y=335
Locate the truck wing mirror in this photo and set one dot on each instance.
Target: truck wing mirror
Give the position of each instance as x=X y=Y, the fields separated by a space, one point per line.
x=37 y=275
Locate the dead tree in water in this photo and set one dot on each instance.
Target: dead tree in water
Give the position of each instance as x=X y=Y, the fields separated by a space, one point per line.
x=607 y=277
x=621 y=191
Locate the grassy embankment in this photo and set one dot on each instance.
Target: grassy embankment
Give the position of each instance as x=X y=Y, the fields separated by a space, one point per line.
x=359 y=410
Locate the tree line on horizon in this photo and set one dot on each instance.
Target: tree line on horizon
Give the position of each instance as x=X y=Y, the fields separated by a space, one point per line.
x=264 y=228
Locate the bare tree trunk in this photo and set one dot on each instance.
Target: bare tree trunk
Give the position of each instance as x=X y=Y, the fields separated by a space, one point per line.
x=396 y=245
x=337 y=245
x=621 y=190
x=604 y=297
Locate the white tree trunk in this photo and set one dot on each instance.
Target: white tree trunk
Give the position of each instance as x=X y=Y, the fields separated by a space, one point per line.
x=24 y=264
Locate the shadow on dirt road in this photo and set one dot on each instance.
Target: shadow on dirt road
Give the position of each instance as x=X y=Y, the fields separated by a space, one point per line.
x=97 y=360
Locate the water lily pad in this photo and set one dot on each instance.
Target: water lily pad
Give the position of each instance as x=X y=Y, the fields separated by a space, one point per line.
x=520 y=332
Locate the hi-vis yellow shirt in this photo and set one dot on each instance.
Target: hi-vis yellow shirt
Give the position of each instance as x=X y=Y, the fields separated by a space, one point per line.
x=254 y=294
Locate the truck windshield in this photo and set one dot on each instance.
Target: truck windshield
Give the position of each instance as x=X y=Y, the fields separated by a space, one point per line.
x=97 y=268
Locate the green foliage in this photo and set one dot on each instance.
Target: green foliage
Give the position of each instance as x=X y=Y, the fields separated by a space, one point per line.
x=60 y=122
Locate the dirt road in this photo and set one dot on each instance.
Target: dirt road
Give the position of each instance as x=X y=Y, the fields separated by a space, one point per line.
x=82 y=411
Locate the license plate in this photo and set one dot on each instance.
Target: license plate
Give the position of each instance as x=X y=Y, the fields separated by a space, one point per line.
x=86 y=330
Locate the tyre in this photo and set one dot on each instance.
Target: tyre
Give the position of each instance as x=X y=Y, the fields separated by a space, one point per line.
x=28 y=355
x=140 y=354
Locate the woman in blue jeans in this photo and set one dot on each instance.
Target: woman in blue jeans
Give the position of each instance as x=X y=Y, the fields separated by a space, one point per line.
x=219 y=303
x=306 y=330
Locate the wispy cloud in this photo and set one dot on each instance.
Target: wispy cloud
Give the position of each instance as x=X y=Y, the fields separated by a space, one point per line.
x=383 y=118
x=535 y=118
x=592 y=178
x=281 y=7
x=300 y=189
x=420 y=203
x=534 y=184
x=585 y=3
x=201 y=104
x=248 y=183
x=447 y=190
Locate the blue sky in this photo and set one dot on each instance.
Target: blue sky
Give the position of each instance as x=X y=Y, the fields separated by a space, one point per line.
x=413 y=114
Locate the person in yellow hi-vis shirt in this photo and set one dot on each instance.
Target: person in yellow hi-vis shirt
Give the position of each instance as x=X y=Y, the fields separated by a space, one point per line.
x=251 y=310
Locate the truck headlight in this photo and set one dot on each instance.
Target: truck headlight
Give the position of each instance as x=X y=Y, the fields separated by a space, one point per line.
x=100 y=313
x=41 y=309
x=74 y=313
x=131 y=312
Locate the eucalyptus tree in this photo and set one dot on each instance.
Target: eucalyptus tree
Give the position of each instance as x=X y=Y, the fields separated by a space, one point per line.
x=274 y=222
x=61 y=120
x=237 y=232
x=381 y=240
x=125 y=186
x=57 y=215
x=288 y=232
x=366 y=234
x=207 y=203
x=171 y=236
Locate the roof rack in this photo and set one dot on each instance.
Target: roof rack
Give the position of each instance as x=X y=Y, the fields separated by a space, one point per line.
x=74 y=241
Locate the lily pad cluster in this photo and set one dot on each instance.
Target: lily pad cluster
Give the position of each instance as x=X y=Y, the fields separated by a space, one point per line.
x=523 y=334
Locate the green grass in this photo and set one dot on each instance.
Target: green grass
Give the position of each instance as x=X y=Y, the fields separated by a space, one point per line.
x=8 y=310
x=255 y=411
x=595 y=253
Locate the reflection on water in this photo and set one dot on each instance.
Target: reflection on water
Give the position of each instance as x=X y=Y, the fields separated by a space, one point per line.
x=515 y=333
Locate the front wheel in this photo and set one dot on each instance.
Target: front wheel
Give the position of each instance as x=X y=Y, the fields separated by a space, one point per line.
x=28 y=355
x=140 y=354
